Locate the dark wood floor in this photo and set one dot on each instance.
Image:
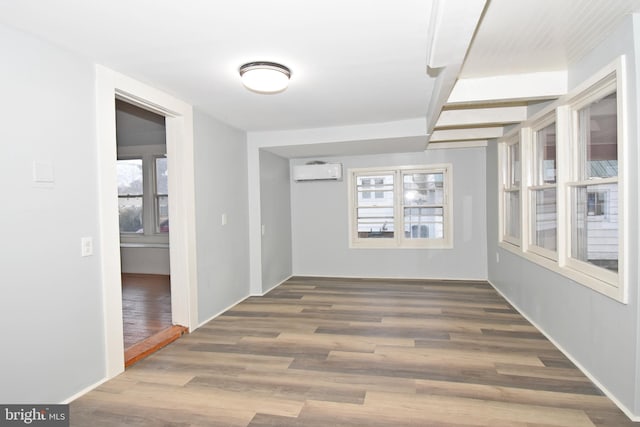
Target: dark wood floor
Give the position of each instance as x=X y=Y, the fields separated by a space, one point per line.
x=146 y=306
x=337 y=352
x=146 y=313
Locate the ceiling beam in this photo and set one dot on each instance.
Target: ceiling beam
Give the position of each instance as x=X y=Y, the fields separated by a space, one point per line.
x=452 y=25
x=467 y=134
x=481 y=116
x=513 y=87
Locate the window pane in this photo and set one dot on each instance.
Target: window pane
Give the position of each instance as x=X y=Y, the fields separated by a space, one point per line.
x=375 y=211
x=424 y=223
x=545 y=155
x=514 y=165
x=163 y=214
x=375 y=198
x=375 y=190
x=598 y=136
x=423 y=188
x=375 y=222
x=512 y=215
x=130 y=209
x=130 y=189
x=162 y=186
x=374 y=182
x=129 y=177
x=594 y=225
x=545 y=219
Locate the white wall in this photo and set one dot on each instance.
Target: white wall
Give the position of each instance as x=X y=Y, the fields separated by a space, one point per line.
x=221 y=188
x=275 y=213
x=321 y=233
x=144 y=260
x=51 y=297
x=599 y=333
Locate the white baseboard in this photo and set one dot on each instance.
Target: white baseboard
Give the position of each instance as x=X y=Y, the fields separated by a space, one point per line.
x=84 y=391
x=271 y=288
x=105 y=379
x=341 y=276
x=593 y=379
x=222 y=311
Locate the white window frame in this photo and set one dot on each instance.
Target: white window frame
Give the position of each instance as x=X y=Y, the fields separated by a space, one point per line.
x=611 y=78
x=399 y=241
x=610 y=81
x=533 y=186
x=156 y=194
x=506 y=187
x=151 y=233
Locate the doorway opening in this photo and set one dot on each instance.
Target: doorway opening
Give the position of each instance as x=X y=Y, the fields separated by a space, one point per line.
x=143 y=211
x=111 y=85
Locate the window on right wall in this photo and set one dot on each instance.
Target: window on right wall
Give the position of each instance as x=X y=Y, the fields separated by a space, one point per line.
x=593 y=188
x=593 y=183
x=510 y=192
x=542 y=191
x=571 y=216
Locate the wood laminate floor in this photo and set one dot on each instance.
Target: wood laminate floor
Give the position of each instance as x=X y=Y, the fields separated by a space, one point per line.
x=341 y=352
x=146 y=306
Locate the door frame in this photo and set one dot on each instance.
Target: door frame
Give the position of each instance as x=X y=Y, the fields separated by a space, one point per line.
x=181 y=181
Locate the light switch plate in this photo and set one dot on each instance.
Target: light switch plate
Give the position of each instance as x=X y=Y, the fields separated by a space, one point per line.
x=86 y=246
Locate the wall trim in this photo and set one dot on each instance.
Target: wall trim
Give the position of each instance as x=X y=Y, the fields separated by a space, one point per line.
x=591 y=377
x=84 y=391
x=271 y=288
x=457 y=144
x=447 y=279
x=224 y=310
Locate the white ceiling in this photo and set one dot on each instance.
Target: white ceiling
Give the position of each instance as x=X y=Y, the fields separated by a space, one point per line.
x=527 y=36
x=353 y=62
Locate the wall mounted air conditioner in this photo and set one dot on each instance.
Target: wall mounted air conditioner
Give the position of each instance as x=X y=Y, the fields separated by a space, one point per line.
x=318 y=172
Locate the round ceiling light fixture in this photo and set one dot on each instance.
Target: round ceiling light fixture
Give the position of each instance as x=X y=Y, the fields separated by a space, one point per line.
x=265 y=77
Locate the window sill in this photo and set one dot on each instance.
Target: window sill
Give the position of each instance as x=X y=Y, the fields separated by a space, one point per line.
x=392 y=245
x=145 y=245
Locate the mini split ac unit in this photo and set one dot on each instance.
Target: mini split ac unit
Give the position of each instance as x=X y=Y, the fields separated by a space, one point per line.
x=318 y=172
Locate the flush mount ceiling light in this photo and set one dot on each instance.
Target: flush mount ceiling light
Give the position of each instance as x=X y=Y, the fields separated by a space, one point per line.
x=265 y=77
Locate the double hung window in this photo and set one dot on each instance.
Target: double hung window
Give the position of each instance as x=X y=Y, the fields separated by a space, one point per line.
x=594 y=194
x=543 y=224
x=401 y=207
x=143 y=197
x=511 y=193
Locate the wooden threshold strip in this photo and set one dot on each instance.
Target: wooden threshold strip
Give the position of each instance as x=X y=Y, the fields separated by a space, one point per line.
x=152 y=344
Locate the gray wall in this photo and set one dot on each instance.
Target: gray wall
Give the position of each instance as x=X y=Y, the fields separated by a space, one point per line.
x=51 y=298
x=598 y=332
x=137 y=126
x=147 y=260
x=220 y=188
x=275 y=213
x=321 y=232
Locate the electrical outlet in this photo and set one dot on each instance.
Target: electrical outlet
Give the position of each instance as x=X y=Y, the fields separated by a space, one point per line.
x=224 y=219
x=497 y=257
